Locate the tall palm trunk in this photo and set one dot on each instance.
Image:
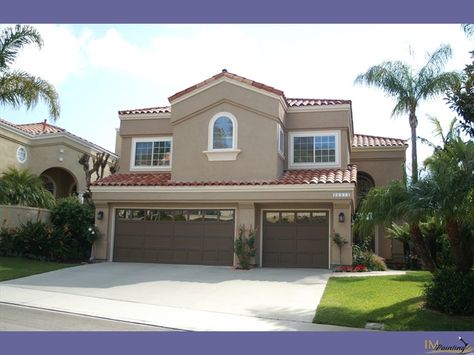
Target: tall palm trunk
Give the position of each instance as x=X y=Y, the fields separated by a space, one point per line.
x=414 y=156
x=460 y=246
x=421 y=247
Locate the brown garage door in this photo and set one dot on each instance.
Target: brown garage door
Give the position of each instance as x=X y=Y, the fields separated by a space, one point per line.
x=174 y=236
x=296 y=239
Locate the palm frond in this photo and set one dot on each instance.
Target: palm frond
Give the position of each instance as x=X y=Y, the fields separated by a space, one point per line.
x=12 y=39
x=436 y=61
x=430 y=86
x=468 y=29
x=392 y=77
x=19 y=88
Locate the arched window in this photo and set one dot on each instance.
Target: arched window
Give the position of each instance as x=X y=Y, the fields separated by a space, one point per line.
x=223 y=132
x=49 y=184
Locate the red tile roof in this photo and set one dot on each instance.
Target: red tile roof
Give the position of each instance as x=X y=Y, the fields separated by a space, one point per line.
x=39 y=128
x=316 y=102
x=163 y=109
x=226 y=74
x=291 y=102
x=290 y=177
x=366 y=141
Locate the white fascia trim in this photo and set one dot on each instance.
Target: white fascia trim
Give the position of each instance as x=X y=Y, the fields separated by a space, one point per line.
x=344 y=187
x=340 y=107
x=144 y=116
x=150 y=168
x=220 y=80
x=296 y=166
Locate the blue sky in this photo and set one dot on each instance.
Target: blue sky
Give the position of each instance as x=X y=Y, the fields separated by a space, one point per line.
x=100 y=69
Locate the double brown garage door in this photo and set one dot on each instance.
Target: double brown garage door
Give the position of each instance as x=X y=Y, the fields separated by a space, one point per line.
x=296 y=239
x=174 y=236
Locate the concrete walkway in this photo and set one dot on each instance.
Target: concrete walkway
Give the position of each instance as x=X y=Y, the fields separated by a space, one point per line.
x=197 y=298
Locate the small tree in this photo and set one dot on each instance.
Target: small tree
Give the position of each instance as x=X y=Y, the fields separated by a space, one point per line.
x=340 y=242
x=99 y=162
x=244 y=246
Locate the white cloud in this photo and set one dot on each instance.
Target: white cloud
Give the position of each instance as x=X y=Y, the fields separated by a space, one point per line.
x=58 y=59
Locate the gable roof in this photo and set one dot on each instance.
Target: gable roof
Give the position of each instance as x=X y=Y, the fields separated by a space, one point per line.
x=290 y=177
x=42 y=129
x=226 y=74
x=366 y=141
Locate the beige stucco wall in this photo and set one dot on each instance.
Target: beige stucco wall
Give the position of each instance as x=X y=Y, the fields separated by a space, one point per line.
x=382 y=165
x=14 y=216
x=257 y=139
x=233 y=93
x=9 y=143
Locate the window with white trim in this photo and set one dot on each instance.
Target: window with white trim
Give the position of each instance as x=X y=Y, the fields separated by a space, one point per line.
x=314 y=149
x=223 y=131
x=281 y=141
x=151 y=153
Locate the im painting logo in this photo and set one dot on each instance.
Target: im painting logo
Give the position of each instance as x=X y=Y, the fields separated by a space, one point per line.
x=436 y=347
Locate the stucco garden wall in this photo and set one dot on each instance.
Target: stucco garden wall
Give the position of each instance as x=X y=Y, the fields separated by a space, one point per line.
x=14 y=216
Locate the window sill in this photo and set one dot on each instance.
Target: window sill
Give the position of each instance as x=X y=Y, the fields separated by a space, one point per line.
x=222 y=155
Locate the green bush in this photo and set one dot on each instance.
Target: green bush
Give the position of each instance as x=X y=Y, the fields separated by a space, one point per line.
x=362 y=255
x=69 y=237
x=75 y=221
x=244 y=246
x=451 y=292
x=7 y=247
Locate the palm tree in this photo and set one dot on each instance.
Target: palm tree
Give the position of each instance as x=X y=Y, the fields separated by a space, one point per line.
x=19 y=187
x=398 y=80
x=16 y=86
x=468 y=29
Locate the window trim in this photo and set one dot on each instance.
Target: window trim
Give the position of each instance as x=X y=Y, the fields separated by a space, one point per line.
x=337 y=163
x=235 y=127
x=279 y=131
x=150 y=139
x=25 y=158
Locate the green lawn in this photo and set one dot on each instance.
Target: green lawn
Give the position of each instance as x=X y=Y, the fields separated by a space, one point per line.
x=13 y=268
x=396 y=301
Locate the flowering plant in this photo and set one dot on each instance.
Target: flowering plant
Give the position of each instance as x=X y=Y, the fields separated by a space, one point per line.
x=360 y=268
x=343 y=268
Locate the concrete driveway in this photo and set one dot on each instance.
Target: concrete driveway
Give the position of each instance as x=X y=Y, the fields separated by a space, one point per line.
x=185 y=297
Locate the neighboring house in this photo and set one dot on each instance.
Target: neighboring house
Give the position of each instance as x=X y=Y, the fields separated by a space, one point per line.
x=229 y=152
x=48 y=151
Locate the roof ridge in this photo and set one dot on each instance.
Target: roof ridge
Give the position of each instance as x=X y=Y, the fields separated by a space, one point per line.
x=370 y=135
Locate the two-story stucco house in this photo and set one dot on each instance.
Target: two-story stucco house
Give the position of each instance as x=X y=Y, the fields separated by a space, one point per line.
x=229 y=152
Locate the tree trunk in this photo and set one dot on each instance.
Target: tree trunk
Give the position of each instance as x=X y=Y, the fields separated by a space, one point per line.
x=421 y=248
x=460 y=246
x=414 y=156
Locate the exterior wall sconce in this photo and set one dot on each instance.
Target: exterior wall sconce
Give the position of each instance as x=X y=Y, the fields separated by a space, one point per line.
x=100 y=215
x=341 y=217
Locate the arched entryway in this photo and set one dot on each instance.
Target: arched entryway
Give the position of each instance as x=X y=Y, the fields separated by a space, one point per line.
x=60 y=182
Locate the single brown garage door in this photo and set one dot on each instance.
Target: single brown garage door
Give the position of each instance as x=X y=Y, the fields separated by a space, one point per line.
x=296 y=239
x=174 y=236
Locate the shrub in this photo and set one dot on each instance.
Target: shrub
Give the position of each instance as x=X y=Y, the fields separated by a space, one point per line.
x=244 y=246
x=363 y=256
x=451 y=292
x=75 y=222
x=377 y=263
x=7 y=238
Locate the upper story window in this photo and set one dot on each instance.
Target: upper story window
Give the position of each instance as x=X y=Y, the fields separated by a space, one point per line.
x=281 y=141
x=315 y=149
x=222 y=141
x=151 y=153
x=223 y=132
